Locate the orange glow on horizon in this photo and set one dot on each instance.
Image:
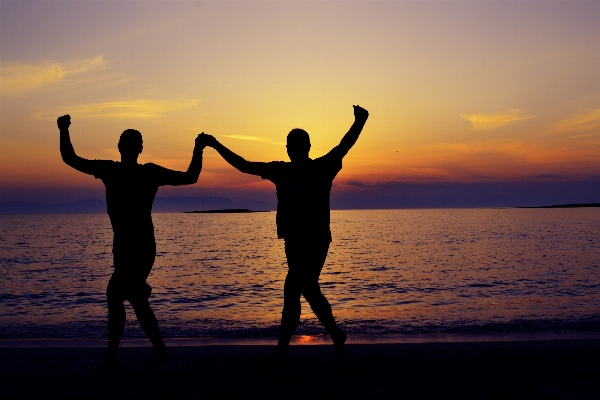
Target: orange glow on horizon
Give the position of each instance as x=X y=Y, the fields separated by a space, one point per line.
x=462 y=98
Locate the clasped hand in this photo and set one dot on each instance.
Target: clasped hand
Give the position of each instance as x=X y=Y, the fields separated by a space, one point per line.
x=203 y=140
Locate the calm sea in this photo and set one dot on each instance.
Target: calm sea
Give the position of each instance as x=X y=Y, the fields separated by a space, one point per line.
x=388 y=272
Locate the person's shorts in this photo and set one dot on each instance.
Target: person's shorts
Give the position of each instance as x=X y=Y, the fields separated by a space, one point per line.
x=306 y=257
x=128 y=281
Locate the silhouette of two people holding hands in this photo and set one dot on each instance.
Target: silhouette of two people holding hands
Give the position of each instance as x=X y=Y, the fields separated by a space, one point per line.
x=303 y=215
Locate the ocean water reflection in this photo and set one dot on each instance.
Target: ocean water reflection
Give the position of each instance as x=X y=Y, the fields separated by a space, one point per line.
x=388 y=271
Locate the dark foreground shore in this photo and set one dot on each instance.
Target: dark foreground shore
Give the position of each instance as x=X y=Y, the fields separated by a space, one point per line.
x=545 y=369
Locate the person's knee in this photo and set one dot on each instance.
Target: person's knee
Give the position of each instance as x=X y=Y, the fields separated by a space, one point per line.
x=313 y=295
x=139 y=304
x=292 y=304
x=292 y=296
x=292 y=287
x=291 y=312
x=310 y=286
x=114 y=302
x=116 y=308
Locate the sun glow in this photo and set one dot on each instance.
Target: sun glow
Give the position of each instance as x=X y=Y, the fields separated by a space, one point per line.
x=450 y=100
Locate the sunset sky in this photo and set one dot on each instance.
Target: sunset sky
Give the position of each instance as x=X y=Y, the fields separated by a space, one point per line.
x=460 y=93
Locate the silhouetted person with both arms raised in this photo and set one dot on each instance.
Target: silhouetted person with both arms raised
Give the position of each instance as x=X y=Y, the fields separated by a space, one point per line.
x=303 y=188
x=130 y=191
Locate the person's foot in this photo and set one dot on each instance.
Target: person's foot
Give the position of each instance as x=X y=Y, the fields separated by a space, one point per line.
x=109 y=362
x=339 y=340
x=158 y=358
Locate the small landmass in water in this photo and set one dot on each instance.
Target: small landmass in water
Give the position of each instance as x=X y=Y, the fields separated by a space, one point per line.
x=567 y=206
x=225 y=211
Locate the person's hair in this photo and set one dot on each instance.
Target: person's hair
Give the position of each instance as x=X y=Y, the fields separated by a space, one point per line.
x=298 y=136
x=130 y=141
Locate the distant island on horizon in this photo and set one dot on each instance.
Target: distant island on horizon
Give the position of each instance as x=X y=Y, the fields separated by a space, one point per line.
x=567 y=206
x=226 y=211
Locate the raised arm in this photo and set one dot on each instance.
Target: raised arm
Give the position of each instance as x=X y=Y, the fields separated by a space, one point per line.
x=239 y=163
x=360 y=118
x=66 y=148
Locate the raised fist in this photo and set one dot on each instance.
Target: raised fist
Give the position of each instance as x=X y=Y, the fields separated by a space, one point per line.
x=63 y=122
x=360 y=113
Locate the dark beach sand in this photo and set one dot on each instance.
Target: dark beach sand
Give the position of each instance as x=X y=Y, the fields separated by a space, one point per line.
x=545 y=369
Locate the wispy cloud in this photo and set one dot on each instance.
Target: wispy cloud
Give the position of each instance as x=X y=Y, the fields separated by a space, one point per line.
x=254 y=139
x=357 y=184
x=430 y=171
x=16 y=78
x=547 y=176
x=578 y=123
x=484 y=122
x=142 y=109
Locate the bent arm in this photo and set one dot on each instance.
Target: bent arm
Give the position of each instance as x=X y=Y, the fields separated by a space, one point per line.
x=68 y=152
x=350 y=138
x=189 y=177
x=193 y=172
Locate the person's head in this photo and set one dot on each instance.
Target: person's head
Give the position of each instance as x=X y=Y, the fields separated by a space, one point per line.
x=298 y=144
x=130 y=143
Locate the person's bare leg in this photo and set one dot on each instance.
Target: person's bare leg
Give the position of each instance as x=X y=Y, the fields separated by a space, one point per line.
x=116 y=324
x=322 y=309
x=311 y=291
x=290 y=315
x=149 y=324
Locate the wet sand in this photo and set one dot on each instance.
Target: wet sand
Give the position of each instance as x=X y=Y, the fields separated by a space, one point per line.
x=561 y=369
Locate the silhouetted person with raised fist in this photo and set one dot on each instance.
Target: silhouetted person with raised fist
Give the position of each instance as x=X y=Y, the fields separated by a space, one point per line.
x=130 y=191
x=303 y=188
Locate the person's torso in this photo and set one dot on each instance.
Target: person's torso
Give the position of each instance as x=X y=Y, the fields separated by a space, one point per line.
x=303 y=192
x=130 y=192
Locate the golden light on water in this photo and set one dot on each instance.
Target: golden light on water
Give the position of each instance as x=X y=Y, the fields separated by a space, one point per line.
x=387 y=271
x=310 y=339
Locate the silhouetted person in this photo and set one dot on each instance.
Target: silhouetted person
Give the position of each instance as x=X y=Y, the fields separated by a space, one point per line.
x=130 y=191
x=303 y=189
